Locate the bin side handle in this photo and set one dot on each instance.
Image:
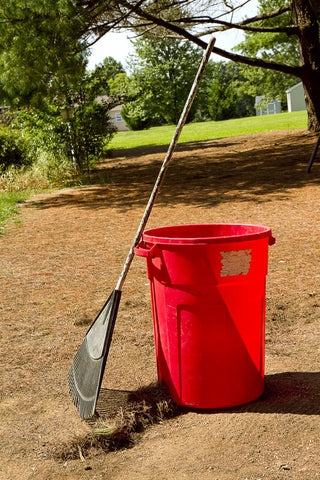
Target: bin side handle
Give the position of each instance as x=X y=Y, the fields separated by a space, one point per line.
x=272 y=240
x=143 y=251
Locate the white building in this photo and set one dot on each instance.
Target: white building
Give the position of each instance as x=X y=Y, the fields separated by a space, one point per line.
x=117 y=120
x=263 y=108
x=114 y=114
x=295 y=98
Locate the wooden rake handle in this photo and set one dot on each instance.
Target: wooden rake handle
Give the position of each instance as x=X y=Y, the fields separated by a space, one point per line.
x=166 y=161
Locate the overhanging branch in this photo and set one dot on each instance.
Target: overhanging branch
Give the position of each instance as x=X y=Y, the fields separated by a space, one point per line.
x=239 y=26
x=267 y=16
x=258 y=62
x=163 y=23
x=254 y=62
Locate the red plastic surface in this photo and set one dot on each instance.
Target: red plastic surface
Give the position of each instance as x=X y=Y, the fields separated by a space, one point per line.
x=206 y=233
x=208 y=304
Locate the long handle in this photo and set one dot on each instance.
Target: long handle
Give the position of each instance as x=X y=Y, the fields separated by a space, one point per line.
x=166 y=161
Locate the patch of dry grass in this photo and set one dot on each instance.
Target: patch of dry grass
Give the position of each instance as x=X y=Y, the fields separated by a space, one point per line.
x=146 y=406
x=14 y=179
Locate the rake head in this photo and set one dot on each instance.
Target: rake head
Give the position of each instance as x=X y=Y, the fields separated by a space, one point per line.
x=87 y=368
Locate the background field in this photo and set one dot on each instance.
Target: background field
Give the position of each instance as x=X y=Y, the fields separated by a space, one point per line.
x=163 y=135
x=193 y=132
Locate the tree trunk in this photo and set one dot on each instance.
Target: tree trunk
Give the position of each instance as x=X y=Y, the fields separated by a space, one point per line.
x=308 y=33
x=315 y=7
x=312 y=98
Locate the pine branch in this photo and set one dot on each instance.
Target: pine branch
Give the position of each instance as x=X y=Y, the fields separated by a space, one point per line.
x=255 y=62
x=167 y=25
x=100 y=30
x=243 y=25
x=259 y=62
x=239 y=26
x=267 y=16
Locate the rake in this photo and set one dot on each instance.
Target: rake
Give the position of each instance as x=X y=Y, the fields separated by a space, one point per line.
x=87 y=368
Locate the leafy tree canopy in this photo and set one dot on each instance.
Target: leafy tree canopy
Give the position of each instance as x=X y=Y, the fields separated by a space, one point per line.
x=102 y=74
x=269 y=46
x=164 y=71
x=42 y=41
x=40 y=46
x=225 y=96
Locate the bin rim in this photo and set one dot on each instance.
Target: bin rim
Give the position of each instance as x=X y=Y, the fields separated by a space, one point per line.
x=160 y=235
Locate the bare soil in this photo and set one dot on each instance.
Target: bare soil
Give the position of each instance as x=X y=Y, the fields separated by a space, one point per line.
x=61 y=258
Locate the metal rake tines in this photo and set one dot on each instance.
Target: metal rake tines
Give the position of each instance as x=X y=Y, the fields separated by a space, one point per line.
x=84 y=381
x=87 y=368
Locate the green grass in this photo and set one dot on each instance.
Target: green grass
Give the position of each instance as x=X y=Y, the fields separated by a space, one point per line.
x=162 y=136
x=193 y=132
x=9 y=204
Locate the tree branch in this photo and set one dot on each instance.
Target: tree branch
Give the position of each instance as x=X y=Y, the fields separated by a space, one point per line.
x=258 y=62
x=163 y=23
x=255 y=62
x=100 y=30
x=243 y=25
x=240 y=26
x=267 y=16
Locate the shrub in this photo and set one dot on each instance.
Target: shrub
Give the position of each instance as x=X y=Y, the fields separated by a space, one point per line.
x=138 y=117
x=14 y=149
x=44 y=130
x=76 y=144
x=90 y=130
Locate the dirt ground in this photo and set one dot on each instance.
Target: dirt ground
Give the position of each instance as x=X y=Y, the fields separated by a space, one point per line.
x=61 y=258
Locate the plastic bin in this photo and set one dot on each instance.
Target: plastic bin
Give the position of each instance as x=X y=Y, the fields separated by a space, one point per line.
x=208 y=303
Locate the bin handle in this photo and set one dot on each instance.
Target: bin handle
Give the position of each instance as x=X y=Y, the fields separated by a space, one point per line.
x=272 y=240
x=143 y=251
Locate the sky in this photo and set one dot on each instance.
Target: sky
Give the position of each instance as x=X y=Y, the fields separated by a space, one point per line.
x=118 y=45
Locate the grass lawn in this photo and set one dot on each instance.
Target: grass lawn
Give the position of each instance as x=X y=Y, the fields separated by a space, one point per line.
x=193 y=132
x=162 y=136
x=8 y=204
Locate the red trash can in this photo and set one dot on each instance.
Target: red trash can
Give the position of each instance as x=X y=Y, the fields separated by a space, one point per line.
x=208 y=303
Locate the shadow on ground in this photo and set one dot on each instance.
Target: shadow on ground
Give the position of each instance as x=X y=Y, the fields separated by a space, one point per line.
x=287 y=392
x=122 y=416
x=204 y=174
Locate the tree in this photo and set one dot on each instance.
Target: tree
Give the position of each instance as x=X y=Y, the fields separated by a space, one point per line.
x=73 y=125
x=139 y=110
x=276 y=46
x=90 y=131
x=161 y=74
x=225 y=99
x=102 y=74
x=89 y=125
x=40 y=46
x=43 y=66
x=69 y=27
x=222 y=98
x=193 y=20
